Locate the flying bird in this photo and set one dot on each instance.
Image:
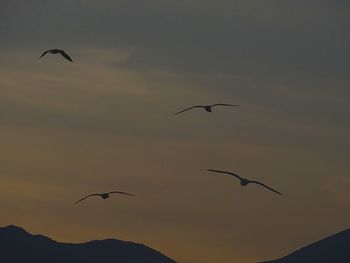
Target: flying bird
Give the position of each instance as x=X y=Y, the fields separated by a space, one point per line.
x=208 y=108
x=55 y=51
x=244 y=181
x=104 y=195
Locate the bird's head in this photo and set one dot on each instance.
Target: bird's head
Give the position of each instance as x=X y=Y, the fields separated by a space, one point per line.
x=104 y=195
x=244 y=182
x=208 y=108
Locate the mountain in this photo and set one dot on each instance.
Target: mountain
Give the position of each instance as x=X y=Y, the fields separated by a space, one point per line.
x=333 y=249
x=18 y=246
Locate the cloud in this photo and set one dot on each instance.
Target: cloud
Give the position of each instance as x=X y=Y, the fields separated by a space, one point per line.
x=291 y=38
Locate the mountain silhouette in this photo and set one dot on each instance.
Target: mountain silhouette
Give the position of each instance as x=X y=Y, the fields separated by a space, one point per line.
x=333 y=249
x=18 y=246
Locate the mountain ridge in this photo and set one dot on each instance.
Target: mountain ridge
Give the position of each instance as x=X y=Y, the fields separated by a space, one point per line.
x=18 y=245
x=334 y=248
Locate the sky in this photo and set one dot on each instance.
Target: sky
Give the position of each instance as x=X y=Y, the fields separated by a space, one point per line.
x=106 y=122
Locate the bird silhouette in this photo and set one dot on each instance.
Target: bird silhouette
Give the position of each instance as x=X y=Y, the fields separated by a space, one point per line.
x=56 y=51
x=244 y=181
x=208 y=108
x=104 y=195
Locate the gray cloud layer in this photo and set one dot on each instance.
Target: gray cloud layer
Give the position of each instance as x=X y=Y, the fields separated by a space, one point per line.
x=293 y=37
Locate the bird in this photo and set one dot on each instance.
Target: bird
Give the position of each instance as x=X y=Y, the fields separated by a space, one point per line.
x=104 y=195
x=208 y=108
x=55 y=51
x=244 y=181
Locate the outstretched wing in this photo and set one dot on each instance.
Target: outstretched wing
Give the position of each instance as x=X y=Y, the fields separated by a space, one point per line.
x=267 y=187
x=123 y=193
x=224 y=104
x=198 y=106
x=43 y=54
x=224 y=172
x=65 y=55
x=86 y=197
